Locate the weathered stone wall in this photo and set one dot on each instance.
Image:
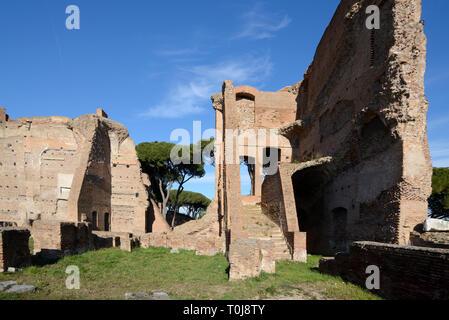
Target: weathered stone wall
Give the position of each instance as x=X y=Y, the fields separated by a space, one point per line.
x=56 y=168
x=14 y=249
x=37 y=161
x=202 y=245
x=405 y=272
x=430 y=239
x=55 y=239
x=362 y=103
x=249 y=257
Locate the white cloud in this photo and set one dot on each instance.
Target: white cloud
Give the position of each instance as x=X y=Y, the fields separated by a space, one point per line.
x=195 y=85
x=177 y=52
x=261 y=24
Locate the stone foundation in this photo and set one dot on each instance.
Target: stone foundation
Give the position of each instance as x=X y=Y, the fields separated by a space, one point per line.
x=405 y=272
x=203 y=245
x=430 y=239
x=249 y=257
x=14 y=249
x=55 y=239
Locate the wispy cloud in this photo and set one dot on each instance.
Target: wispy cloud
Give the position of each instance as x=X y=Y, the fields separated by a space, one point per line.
x=177 y=52
x=261 y=24
x=440 y=153
x=191 y=93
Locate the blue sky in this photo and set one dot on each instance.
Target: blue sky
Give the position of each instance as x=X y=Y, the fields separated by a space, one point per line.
x=152 y=65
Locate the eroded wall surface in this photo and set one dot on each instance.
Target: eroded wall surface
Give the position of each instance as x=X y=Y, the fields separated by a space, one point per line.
x=362 y=104
x=406 y=272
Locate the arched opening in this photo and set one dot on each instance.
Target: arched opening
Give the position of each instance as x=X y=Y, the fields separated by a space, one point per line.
x=339 y=223
x=107 y=222
x=271 y=158
x=245 y=105
x=375 y=137
x=308 y=185
x=94 y=220
x=247 y=175
x=244 y=96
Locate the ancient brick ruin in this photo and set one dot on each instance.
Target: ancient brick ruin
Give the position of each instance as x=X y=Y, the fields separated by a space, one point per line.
x=80 y=170
x=352 y=147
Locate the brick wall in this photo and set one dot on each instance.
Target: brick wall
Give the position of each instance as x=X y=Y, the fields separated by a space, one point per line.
x=55 y=239
x=249 y=257
x=203 y=245
x=14 y=249
x=430 y=239
x=405 y=272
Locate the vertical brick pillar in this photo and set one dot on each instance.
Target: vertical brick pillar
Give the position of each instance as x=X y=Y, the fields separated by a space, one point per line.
x=231 y=164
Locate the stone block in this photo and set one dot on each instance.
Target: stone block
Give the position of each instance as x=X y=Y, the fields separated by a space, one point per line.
x=436 y=225
x=126 y=244
x=249 y=257
x=14 y=248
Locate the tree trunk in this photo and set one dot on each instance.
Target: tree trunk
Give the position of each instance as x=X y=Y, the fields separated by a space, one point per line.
x=175 y=206
x=165 y=198
x=251 y=172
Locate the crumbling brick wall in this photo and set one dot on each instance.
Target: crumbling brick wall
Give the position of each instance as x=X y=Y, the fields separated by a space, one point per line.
x=56 y=168
x=14 y=248
x=55 y=239
x=249 y=257
x=430 y=239
x=405 y=272
x=203 y=245
x=362 y=103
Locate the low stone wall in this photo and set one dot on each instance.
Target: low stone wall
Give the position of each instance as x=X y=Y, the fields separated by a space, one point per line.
x=14 y=249
x=405 y=272
x=55 y=239
x=249 y=257
x=251 y=200
x=107 y=239
x=430 y=239
x=203 y=245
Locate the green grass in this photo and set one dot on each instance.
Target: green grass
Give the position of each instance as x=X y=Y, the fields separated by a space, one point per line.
x=110 y=273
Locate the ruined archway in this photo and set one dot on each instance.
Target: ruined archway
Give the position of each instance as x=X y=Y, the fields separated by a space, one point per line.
x=308 y=186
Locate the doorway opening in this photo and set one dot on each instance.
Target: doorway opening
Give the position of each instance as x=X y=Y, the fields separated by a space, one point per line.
x=339 y=223
x=308 y=185
x=107 y=223
x=94 y=220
